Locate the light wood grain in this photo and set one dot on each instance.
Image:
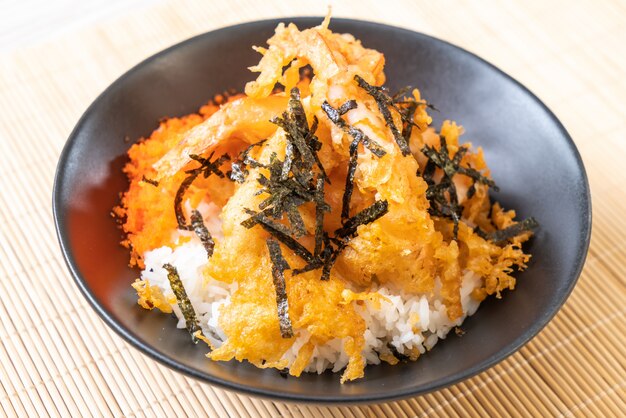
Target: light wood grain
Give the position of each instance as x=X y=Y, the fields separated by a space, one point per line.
x=571 y=54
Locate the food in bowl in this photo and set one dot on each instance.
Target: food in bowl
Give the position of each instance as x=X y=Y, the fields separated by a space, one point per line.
x=317 y=221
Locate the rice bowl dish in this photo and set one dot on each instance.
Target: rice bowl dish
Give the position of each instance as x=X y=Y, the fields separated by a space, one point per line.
x=326 y=225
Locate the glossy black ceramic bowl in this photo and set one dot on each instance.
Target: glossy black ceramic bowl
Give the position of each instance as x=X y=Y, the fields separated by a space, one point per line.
x=532 y=158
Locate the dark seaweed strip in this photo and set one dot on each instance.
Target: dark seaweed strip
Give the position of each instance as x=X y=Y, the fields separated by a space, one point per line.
x=334 y=115
x=302 y=175
x=442 y=206
x=316 y=145
x=320 y=260
x=294 y=181
x=320 y=208
x=311 y=139
x=178 y=201
x=406 y=116
x=346 y=107
x=309 y=267
x=357 y=134
x=245 y=152
x=300 y=191
x=503 y=235
x=150 y=181
x=456 y=161
x=370 y=144
x=297 y=110
x=294 y=135
x=249 y=161
x=281 y=233
x=284 y=175
x=366 y=216
x=476 y=176
x=238 y=171
x=384 y=101
x=294 y=245
x=331 y=256
x=398 y=95
x=207 y=167
x=420 y=103
x=276 y=197
x=455 y=209
x=429 y=172
x=436 y=193
x=279 y=265
x=183 y=301
x=321 y=168
x=406 y=113
x=197 y=223
x=297 y=223
x=471 y=191
x=262 y=217
x=349 y=187
x=452 y=166
x=296 y=126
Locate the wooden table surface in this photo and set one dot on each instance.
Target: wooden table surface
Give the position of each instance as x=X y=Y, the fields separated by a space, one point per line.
x=58 y=358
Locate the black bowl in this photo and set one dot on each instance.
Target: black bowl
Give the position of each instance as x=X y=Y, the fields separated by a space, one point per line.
x=532 y=158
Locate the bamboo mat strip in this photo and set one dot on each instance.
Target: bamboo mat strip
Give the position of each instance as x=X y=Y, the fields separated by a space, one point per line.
x=58 y=359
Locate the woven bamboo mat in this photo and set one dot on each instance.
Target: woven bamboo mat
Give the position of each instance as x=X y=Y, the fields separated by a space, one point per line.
x=57 y=358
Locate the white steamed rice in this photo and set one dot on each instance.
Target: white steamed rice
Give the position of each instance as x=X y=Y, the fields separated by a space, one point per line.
x=406 y=322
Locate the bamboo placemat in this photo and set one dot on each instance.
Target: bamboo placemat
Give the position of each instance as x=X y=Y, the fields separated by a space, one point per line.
x=57 y=358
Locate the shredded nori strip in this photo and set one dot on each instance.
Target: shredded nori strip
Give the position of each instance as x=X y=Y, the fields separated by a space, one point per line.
x=384 y=102
x=238 y=168
x=349 y=187
x=197 y=223
x=183 y=301
x=450 y=167
x=206 y=168
x=296 y=126
x=358 y=135
x=330 y=256
x=501 y=236
x=366 y=216
x=237 y=172
x=280 y=232
x=347 y=106
x=178 y=201
x=297 y=223
x=443 y=195
x=406 y=115
x=471 y=191
x=291 y=182
x=298 y=179
x=399 y=98
x=320 y=208
x=150 y=181
x=284 y=175
x=279 y=265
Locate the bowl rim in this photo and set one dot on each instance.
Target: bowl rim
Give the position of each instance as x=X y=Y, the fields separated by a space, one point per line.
x=145 y=348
